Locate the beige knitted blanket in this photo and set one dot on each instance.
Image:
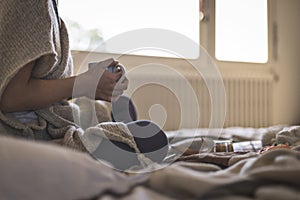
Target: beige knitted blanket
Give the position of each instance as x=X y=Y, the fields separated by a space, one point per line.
x=30 y=30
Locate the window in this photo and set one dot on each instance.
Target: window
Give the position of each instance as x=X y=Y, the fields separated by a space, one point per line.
x=92 y=22
x=241 y=31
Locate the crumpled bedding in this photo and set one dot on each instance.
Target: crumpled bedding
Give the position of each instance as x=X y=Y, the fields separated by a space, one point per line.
x=274 y=174
x=241 y=176
x=244 y=179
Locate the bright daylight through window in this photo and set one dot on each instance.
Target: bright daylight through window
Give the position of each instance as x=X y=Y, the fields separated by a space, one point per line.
x=242 y=30
x=93 y=22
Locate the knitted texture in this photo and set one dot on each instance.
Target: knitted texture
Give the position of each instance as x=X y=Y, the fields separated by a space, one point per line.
x=30 y=30
x=92 y=112
x=116 y=131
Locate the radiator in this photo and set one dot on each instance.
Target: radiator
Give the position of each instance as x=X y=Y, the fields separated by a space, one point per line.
x=248 y=103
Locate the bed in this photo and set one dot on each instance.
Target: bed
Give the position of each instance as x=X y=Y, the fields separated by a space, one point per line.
x=39 y=170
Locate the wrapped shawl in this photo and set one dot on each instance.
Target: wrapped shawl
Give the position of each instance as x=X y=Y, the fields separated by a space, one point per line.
x=31 y=30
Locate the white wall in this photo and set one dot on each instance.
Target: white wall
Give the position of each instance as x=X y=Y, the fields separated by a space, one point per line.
x=287 y=89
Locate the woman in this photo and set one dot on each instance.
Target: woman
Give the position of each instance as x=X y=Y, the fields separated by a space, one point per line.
x=36 y=65
x=36 y=82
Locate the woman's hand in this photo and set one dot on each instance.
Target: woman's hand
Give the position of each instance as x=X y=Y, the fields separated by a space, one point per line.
x=99 y=83
x=108 y=88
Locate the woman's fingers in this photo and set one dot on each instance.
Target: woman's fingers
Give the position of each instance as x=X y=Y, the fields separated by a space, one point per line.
x=110 y=85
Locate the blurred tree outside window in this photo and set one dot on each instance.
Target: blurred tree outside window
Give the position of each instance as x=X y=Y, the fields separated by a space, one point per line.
x=93 y=22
